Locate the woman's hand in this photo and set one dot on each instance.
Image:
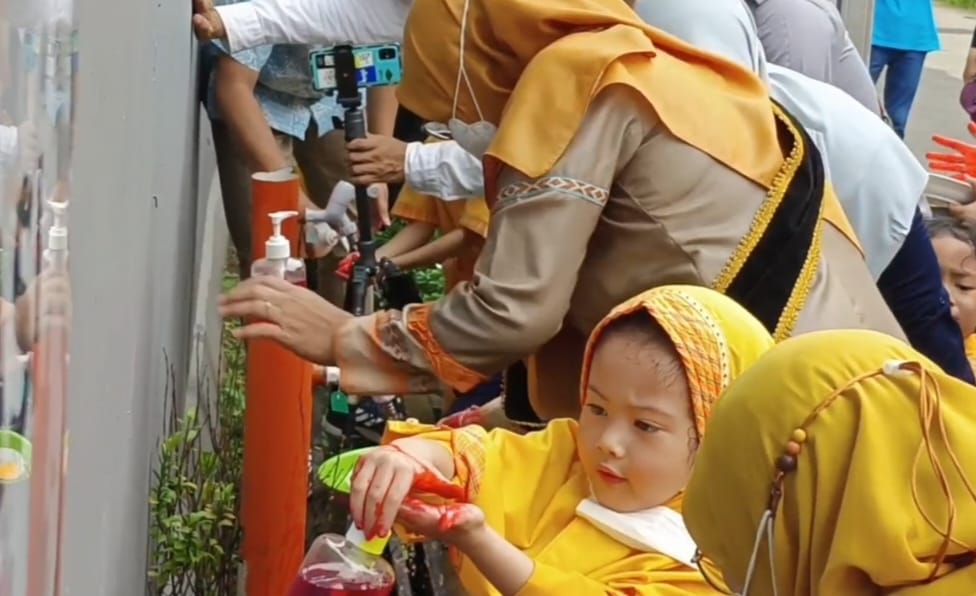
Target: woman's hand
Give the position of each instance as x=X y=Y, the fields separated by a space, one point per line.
x=376 y=159
x=207 y=24
x=295 y=317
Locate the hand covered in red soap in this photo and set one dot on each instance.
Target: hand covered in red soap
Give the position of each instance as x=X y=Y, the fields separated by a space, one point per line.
x=961 y=163
x=447 y=523
x=344 y=270
x=382 y=482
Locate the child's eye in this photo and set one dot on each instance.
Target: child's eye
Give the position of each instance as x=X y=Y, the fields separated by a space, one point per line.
x=646 y=426
x=596 y=410
x=966 y=288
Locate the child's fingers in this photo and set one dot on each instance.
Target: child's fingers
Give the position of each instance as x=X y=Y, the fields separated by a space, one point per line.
x=972 y=128
x=953 y=144
x=945 y=157
x=948 y=168
x=419 y=517
x=375 y=499
x=395 y=494
x=361 y=480
x=432 y=483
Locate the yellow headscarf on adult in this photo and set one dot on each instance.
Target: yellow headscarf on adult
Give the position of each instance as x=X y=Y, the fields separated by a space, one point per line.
x=883 y=475
x=535 y=66
x=715 y=338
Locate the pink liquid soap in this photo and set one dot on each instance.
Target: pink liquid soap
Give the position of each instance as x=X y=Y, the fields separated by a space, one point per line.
x=335 y=579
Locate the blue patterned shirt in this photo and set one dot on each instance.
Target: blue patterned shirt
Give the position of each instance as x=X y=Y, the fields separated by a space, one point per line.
x=284 y=88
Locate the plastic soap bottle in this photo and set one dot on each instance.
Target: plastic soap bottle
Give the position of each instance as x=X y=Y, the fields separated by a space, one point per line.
x=345 y=566
x=56 y=253
x=278 y=261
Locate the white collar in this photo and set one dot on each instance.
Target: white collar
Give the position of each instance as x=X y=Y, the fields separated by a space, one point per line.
x=658 y=529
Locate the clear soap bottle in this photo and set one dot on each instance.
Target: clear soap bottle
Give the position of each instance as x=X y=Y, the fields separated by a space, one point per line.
x=277 y=261
x=344 y=566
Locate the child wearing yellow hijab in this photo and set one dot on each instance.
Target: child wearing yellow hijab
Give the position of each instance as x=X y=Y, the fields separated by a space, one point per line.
x=587 y=507
x=841 y=464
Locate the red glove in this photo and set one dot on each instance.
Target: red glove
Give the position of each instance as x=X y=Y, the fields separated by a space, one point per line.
x=958 y=165
x=344 y=270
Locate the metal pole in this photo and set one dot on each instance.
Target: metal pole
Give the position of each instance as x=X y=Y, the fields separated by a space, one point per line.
x=859 y=17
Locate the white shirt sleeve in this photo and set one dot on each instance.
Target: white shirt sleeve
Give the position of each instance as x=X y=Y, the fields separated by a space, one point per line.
x=313 y=22
x=443 y=170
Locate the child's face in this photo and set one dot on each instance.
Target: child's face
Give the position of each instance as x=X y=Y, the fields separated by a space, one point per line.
x=958 y=265
x=637 y=437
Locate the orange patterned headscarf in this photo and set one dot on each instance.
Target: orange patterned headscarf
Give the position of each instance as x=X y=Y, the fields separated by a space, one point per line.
x=534 y=66
x=715 y=338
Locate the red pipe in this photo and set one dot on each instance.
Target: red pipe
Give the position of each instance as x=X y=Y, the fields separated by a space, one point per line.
x=277 y=425
x=49 y=375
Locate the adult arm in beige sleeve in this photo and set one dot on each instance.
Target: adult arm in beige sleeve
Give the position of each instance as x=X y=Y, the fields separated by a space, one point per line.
x=524 y=279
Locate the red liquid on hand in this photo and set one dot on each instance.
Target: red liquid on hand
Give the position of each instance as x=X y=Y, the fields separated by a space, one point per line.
x=327 y=579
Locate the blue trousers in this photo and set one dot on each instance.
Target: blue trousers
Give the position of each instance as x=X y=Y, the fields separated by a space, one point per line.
x=901 y=81
x=912 y=287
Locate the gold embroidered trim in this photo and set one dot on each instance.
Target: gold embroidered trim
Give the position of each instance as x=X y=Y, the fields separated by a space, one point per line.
x=804 y=282
x=766 y=211
x=571 y=186
x=803 y=285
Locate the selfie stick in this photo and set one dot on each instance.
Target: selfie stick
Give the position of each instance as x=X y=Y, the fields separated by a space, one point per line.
x=365 y=269
x=347 y=96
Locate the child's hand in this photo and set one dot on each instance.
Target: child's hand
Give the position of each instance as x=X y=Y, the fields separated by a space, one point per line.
x=383 y=479
x=960 y=163
x=344 y=270
x=450 y=523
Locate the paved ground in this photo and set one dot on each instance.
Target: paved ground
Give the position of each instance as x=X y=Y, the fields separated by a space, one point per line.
x=936 y=108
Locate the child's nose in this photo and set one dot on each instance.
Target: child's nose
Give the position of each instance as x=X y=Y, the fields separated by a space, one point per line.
x=611 y=445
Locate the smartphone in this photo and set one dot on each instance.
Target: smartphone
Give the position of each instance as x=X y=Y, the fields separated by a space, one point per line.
x=376 y=66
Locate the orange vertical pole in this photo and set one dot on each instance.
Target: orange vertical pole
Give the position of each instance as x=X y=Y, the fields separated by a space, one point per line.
x=277 y=425
x=49 y=376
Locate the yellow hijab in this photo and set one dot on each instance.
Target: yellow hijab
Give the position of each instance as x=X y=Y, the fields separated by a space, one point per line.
x=535 y=65
x=715 y=338
x=884 y=471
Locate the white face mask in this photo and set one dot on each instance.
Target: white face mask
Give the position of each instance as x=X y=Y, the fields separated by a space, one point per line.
x=476 y=137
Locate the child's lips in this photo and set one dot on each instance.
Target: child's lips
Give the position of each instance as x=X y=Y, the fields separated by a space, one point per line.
x=609 y=476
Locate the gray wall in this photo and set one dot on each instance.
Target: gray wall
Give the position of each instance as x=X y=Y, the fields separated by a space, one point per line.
x=134 y=238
